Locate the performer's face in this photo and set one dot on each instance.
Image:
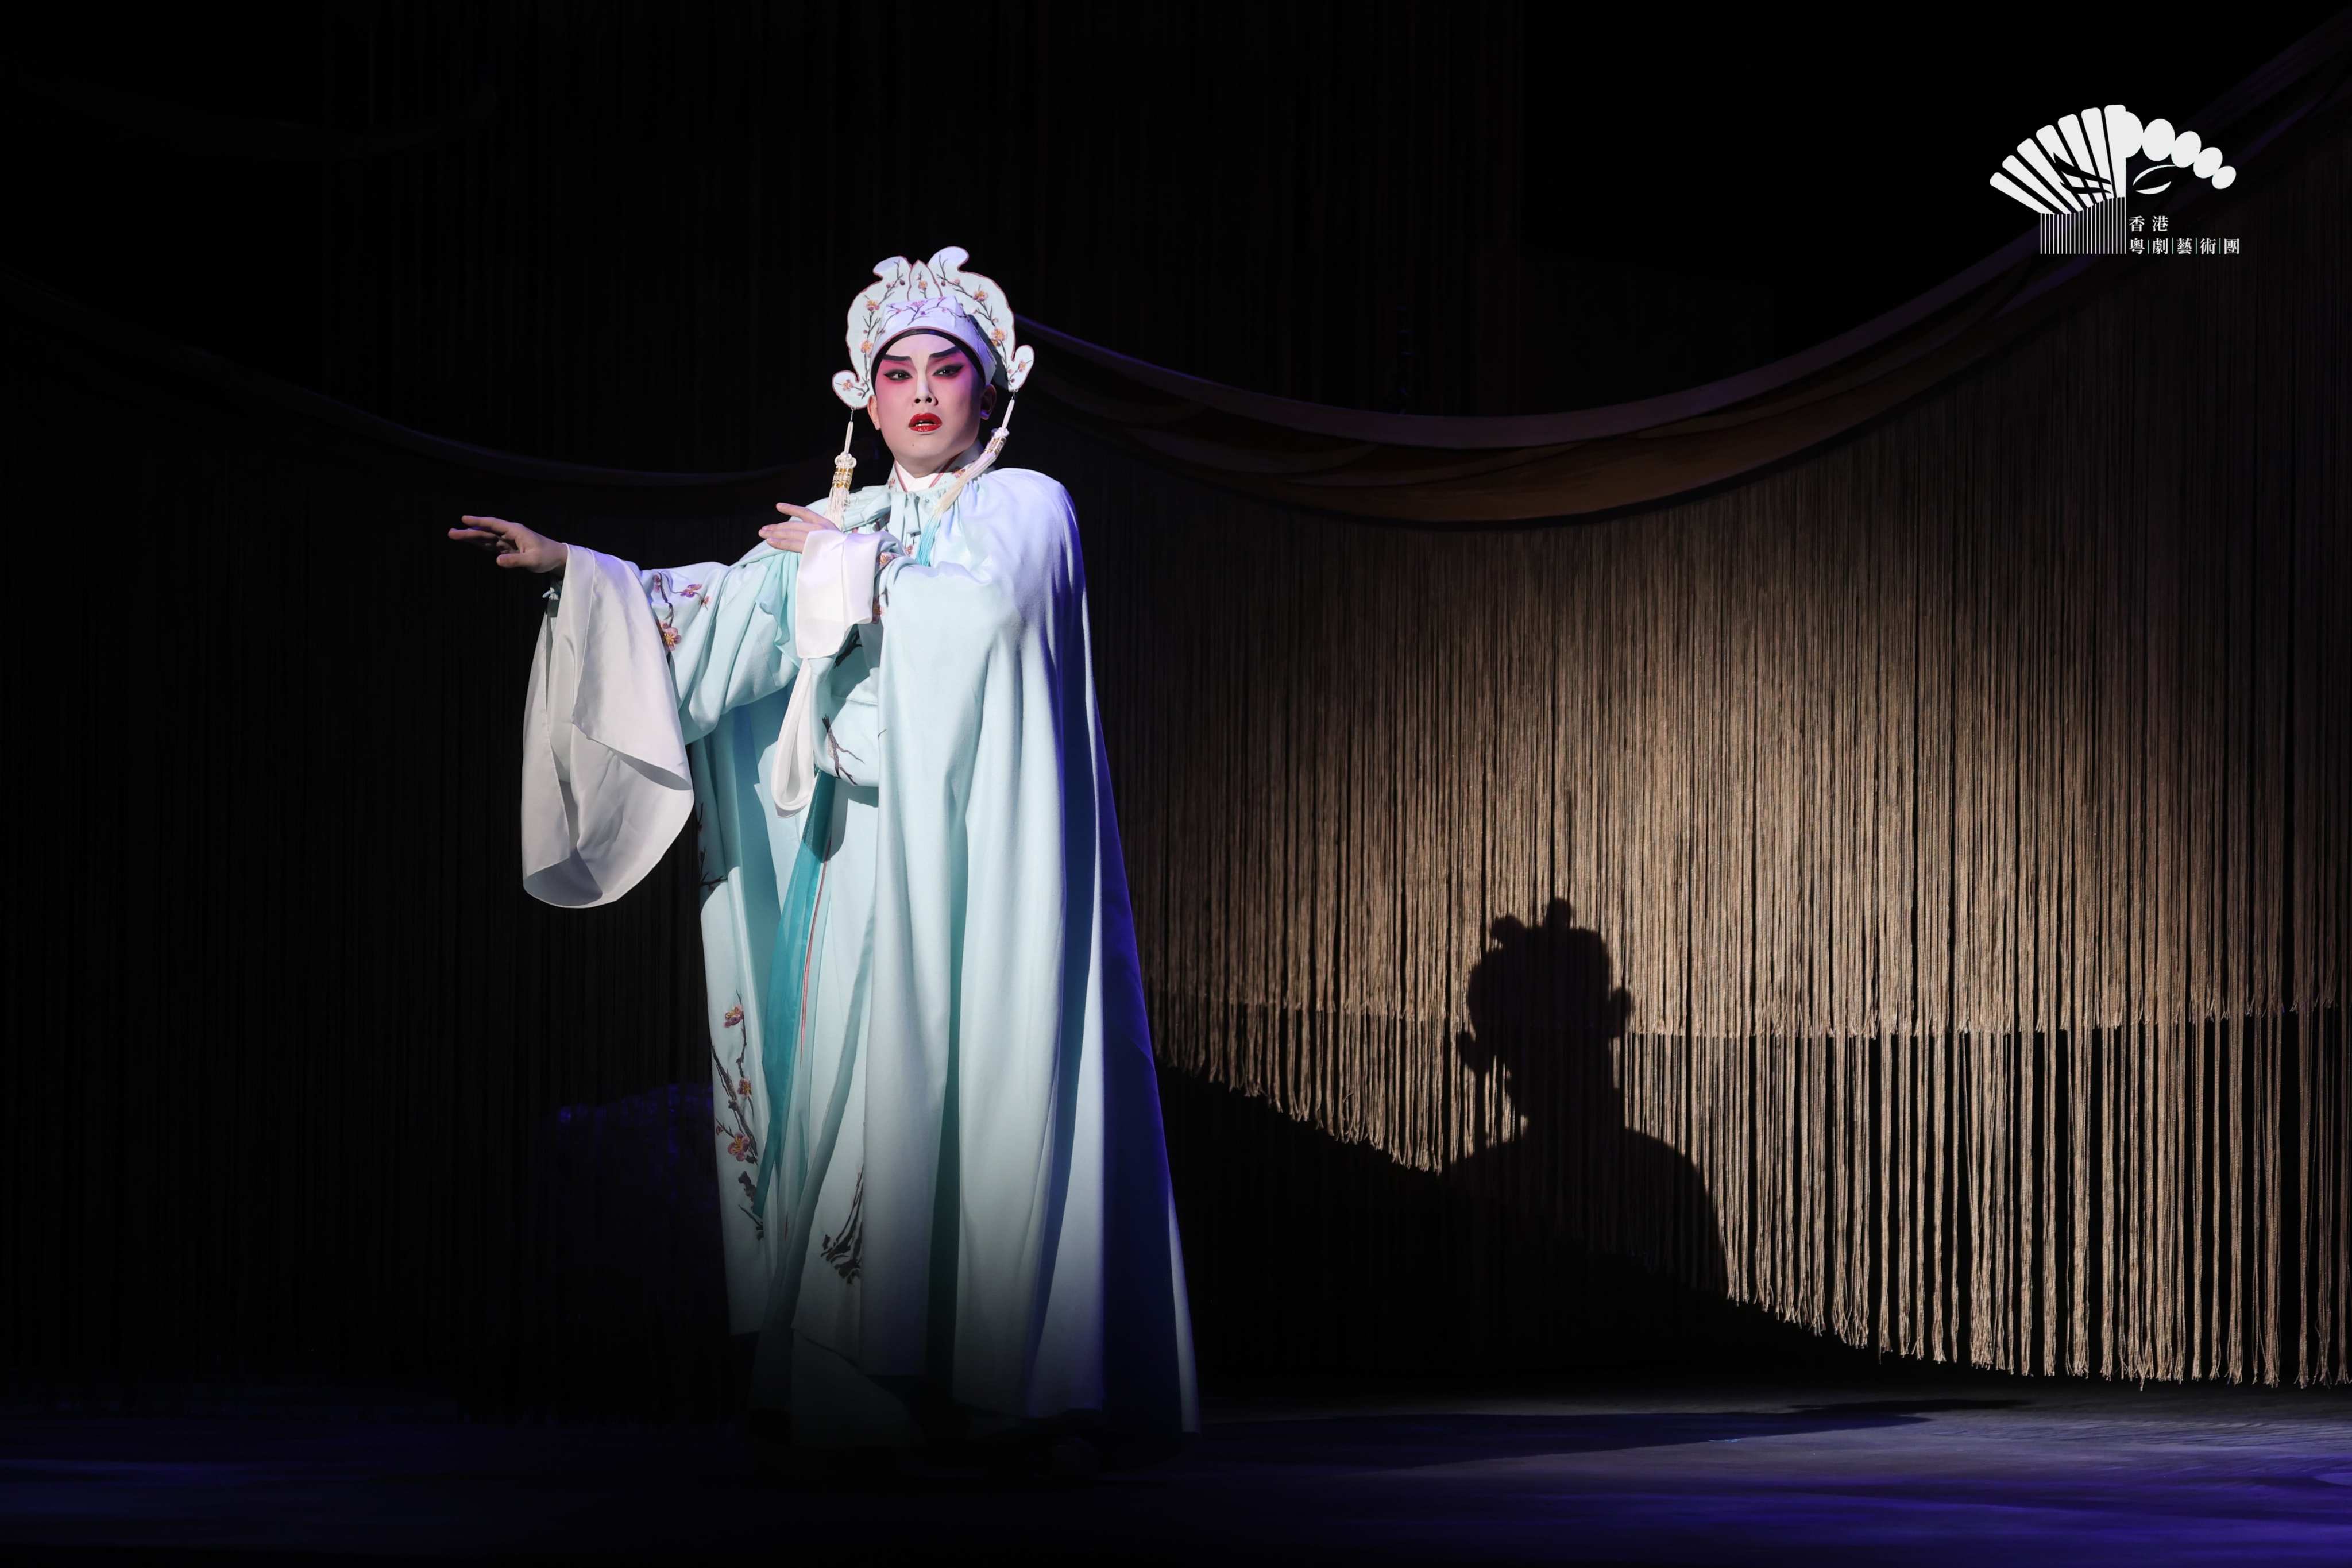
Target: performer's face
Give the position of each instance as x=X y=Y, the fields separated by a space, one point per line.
x=929 y=400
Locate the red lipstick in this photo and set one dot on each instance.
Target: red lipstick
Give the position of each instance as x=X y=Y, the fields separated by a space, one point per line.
x=923 y=424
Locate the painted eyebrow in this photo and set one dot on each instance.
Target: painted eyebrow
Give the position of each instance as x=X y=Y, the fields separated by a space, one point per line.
x=952 y=352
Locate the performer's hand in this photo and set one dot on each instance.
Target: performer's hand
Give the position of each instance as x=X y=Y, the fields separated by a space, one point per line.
x=793 y=534
x=514 y=544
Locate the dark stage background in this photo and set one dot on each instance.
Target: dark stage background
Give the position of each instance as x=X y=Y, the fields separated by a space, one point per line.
x=304 y=1088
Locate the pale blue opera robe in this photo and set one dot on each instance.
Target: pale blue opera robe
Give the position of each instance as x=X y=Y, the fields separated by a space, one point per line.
x=967 y=1189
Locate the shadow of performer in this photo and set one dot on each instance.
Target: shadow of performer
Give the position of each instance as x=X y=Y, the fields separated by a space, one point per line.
x=1543 y=1011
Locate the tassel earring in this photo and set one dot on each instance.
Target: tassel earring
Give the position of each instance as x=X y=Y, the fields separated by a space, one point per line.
x=844 y=464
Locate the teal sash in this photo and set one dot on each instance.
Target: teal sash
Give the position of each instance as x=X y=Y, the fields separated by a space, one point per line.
x=780 y=1039
x=779 y=1044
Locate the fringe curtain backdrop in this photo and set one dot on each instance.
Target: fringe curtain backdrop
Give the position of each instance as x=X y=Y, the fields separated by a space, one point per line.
x=1907 y=890
x=1965 y=808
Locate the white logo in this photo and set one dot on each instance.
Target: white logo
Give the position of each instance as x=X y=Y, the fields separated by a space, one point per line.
x=2079 y=173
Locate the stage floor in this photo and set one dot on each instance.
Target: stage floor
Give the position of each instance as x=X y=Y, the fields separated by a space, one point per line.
x=1943 y=1469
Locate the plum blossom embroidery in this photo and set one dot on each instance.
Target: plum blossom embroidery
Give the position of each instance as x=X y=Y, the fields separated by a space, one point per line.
x=734 y=1087
x=658 y=598
x=845 y=1248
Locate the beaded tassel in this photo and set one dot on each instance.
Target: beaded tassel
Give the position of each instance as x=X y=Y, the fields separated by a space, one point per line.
x=976 y=467
x=844 y=464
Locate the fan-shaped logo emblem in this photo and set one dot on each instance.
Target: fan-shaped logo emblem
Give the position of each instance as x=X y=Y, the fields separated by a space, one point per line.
x=2079 y=174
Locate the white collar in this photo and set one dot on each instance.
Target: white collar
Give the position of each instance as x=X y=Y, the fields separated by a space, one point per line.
x=903 y=480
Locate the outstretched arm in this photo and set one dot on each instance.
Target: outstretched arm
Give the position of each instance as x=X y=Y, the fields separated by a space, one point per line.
x=717 y=624
x=514 y=544
x=631 y=667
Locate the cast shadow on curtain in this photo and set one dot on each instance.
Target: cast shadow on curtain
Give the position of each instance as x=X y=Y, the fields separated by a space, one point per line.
x=1544 y=1013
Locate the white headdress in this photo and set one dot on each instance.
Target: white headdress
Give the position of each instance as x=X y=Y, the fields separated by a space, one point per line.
x=934 y=296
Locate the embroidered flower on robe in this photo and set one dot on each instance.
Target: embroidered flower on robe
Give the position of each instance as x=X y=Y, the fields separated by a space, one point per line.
x=669 y=635
x=732 y=1082
x=846 y=1249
